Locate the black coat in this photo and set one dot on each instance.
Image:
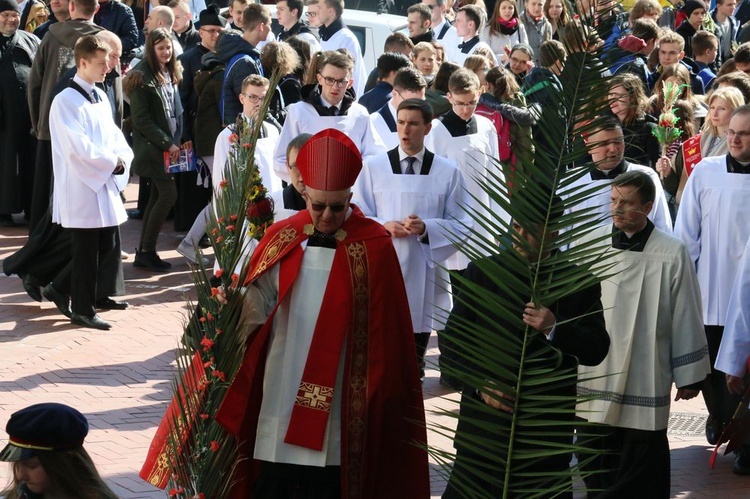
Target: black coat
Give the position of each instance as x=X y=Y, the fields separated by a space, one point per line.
x=583 y=339
x=17 y=144
x=120 y=20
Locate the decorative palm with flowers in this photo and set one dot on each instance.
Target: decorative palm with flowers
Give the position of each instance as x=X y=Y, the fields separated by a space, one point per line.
x=191 y=455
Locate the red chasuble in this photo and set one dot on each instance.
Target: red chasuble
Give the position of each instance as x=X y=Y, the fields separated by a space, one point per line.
x=382 y=422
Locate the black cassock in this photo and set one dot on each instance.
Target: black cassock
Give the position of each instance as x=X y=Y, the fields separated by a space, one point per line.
x=17 y=145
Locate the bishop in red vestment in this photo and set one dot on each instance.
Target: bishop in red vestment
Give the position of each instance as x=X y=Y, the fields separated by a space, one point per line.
x=327 y=402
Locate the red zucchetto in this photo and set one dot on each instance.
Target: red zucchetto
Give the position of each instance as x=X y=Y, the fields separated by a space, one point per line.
x=329 y=161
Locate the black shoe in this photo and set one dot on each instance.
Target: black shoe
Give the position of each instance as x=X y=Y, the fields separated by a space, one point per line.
x=93 y=321
x=135 y=214
x=741 y=465
x=7 y=221
x=149 y=260
x=204 y=242
x=61 y=301
x=32 y=287
x=110 y=304
x=713 y=430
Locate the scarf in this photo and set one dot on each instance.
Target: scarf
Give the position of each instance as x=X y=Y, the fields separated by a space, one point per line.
x=508 y=27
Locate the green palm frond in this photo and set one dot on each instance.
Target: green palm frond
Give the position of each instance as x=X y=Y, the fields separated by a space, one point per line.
x=503 y=453
x=201 y=455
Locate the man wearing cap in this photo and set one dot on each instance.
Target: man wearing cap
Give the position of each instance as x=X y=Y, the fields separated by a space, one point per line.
x=340 y=409
x=17 y=145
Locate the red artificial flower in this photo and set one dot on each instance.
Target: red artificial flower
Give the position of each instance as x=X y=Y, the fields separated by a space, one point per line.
x=219 y=272
x=206 y=343
x=219 y=239
x=218 y=332
x=200 y=495
x=220 y=375
x=176 y=492
x=209 y=363
x=205 y=416
x=235 y=278
x=215 y=445
x=214 y=231
x=230 y=228
x=221 y=220
x=233 y=218
x=260 y=209
x=209 y=316
x=224 y=183
x=247 y=145
x=233 y=138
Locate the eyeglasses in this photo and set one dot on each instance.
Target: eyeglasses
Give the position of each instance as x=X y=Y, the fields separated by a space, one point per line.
x=320 y=207
x=333 y=81
x=731 y=134
x=311 y=14
x=254 y=98
x=213 y=32
x=466 y=105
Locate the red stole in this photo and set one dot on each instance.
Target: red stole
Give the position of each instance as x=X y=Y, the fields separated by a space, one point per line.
x=382 y=409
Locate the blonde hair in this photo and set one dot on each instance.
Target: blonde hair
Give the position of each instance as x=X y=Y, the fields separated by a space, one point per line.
x=731 y=95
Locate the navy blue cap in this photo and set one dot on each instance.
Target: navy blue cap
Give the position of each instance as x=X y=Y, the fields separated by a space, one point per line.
x=43 y=427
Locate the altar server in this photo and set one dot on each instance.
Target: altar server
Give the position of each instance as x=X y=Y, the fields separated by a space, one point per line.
x=651 y=306
x=714 y=223
x=334 y=35
x=408 y=84
x=417 y=196
x=90 y=160
x=329 y=104
x=607 y=148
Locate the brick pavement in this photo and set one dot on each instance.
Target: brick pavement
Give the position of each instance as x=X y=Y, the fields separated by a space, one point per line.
x=121 y=379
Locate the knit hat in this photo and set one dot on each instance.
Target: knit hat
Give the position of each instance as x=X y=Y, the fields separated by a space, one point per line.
x=9 y=5
x=329 y=161
x=43 y=427
x=692 y=5
x=209 y=17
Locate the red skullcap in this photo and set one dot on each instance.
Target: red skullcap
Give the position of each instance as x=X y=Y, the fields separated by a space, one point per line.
x=329 y=161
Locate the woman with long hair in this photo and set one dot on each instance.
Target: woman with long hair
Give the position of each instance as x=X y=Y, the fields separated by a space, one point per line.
x=557 y=14
x=628 y=101
x=49 y=461
x=679 y=74
x=479 y=65
x=156 y=113
x=504 y=29
x=281 y=57
x=713 y=141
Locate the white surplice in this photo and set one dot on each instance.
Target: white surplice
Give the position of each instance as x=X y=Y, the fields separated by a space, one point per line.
x=714 y=223
x=436 y=198
x=303 y=118
x=86 y=145
x=477 y=157
x=388 y=136
x=598 y=203
x=263 y=156
x=735 y=343
x=652 y=314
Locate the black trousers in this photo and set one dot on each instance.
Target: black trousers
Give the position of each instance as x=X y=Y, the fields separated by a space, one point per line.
x=720 y=403
x=293 y=481
x=91 y=248
x=634 y=463
x=447 y=358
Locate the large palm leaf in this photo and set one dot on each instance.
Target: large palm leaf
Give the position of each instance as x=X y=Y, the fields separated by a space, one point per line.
x=196 y=452
x=506 y=448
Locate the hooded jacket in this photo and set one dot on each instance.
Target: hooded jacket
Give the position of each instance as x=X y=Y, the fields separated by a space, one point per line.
x=228 y=47
x=54 y=57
